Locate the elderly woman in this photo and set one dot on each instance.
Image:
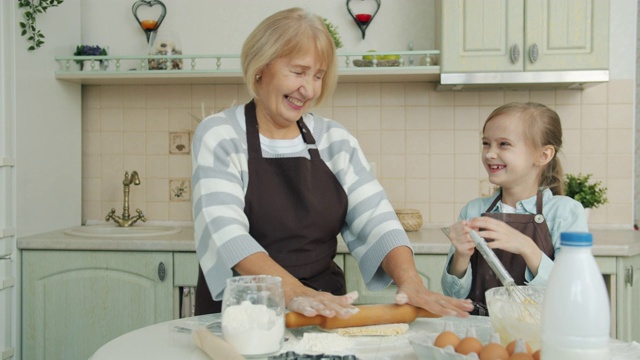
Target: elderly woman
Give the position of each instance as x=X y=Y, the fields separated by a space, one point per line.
x=274 y=185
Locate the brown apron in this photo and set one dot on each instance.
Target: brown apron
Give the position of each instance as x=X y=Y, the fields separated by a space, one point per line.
x=296 y=208
x=534 y=226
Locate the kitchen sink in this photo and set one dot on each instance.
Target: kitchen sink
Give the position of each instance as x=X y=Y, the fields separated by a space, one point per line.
x=110 y=230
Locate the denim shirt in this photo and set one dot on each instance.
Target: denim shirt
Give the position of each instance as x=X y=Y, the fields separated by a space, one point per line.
x=562 y=214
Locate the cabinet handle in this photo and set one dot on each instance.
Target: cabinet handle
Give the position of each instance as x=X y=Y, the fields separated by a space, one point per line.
x=533 y=53
x=515 y=54
x=628 y=276
x=162 y=271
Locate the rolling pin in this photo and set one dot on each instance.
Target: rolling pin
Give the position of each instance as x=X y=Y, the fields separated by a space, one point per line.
x=368 y=315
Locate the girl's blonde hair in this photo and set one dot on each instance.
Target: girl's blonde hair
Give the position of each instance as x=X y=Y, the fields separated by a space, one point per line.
x=543 y=128
x=287 y=33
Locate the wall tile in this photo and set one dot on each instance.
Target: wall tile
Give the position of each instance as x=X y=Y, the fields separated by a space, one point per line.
x=417 y=118
x=392 y=118
x=418 y=94
x=133 y=97
x=425 y=143
x=392 y=142
x=441 y=166
x=392 y=94
x=367 y=94
x=368 y=118
x=345 y=95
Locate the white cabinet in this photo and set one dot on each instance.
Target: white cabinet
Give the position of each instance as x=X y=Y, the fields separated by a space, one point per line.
x=628 y=284
x=76 y=301
x=524 y=35
x=429 y=267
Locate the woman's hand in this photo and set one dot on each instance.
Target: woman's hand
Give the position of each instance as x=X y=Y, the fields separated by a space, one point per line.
x=418 y=295
x=399 y=264
x=312 y=303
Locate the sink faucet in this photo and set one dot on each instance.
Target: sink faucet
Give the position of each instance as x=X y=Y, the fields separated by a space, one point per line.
x=126 y=220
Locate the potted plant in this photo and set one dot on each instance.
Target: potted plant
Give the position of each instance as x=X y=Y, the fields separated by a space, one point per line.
x=89 y=50
x=590 y=194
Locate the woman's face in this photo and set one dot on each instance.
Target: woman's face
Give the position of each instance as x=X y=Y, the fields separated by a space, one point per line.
x=287 y=88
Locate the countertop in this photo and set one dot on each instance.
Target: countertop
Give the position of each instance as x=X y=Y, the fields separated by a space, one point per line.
x=428 y=240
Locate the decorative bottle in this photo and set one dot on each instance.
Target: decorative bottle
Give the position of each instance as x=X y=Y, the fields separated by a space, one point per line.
x=575 y=310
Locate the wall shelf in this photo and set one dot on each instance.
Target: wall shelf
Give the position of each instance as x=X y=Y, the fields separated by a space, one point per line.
x=225 y=69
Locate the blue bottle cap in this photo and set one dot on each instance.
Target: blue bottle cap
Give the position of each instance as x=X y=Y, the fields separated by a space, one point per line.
x=576 y=239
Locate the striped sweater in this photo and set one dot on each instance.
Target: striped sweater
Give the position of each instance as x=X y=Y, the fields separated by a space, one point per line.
x=220 y=180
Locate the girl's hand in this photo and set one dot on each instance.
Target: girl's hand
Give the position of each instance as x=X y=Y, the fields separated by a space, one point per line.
x=418 y=295
x=312 y=303
x=509 y=239
x=460 y=239
x=504 y=236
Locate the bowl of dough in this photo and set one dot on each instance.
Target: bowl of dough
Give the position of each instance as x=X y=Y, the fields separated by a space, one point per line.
x=515 y=313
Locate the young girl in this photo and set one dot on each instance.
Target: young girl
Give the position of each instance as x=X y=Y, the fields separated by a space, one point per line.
x=522 y=221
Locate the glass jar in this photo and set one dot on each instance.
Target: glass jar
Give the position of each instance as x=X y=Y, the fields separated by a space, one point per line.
x=165 y=44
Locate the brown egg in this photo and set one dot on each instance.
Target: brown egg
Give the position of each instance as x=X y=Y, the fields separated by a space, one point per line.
x=520 y=356
x=512 y=346
x=536 y=355
x=469 y=345
x=494 y=351
x=446 y=338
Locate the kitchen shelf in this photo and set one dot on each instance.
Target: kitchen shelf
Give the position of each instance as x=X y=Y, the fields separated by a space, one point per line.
x=225 y=69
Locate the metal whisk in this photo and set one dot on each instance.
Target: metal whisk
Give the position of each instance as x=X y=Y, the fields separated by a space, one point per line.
x=505 y=278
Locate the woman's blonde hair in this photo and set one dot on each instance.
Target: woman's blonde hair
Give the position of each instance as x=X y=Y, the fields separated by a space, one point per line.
x=543 y=128
x=289 y=32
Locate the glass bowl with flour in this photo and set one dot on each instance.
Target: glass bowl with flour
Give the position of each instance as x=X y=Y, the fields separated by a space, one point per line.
x=253 y=315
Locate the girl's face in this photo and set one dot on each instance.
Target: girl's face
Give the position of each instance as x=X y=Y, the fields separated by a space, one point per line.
x=286 y=90
x=510 y=162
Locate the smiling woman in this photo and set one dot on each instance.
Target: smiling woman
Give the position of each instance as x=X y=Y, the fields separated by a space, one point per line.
x=274 y=184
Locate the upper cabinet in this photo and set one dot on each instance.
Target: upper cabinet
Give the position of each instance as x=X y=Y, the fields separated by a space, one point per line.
x=524 y=35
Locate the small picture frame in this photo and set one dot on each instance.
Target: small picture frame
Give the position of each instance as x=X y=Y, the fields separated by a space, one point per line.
x=179 y=143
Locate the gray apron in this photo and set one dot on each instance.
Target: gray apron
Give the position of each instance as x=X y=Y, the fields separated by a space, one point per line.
x=296 y=208
x=534 y=226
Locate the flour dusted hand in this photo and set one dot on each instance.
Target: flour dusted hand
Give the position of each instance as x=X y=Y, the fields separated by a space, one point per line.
x=325 y=304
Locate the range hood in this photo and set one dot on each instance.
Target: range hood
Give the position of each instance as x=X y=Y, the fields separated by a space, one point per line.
x=522 y=80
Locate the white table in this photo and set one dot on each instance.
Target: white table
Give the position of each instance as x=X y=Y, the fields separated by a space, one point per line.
x=172 y=340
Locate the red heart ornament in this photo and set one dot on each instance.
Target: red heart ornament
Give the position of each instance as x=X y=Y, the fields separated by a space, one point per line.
x=363 y=19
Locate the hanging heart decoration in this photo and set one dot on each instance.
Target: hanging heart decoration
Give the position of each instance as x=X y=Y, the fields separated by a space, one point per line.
x=149 y=26
x=363 y=18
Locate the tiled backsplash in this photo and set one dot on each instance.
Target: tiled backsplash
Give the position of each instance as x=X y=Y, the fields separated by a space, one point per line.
x=425 y=144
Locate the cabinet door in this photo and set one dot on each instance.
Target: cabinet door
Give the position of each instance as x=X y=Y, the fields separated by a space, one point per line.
x=567 y=35
x=629 y=298
x=429 y=266
x=479 y=35
x=76 y=301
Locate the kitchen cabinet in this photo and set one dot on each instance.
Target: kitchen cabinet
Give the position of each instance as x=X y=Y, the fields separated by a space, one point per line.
x=429 y=266
x=75 y=301
x=628 y=298
x=524 y=35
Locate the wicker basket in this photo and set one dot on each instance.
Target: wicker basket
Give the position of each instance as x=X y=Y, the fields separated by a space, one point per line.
x=411 y=219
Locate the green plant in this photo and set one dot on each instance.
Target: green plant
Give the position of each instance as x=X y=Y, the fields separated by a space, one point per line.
x=589 y=194
x=32 y=9
x=333 y=30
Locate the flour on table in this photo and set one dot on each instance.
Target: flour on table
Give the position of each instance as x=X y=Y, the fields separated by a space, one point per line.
x=324 y=343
